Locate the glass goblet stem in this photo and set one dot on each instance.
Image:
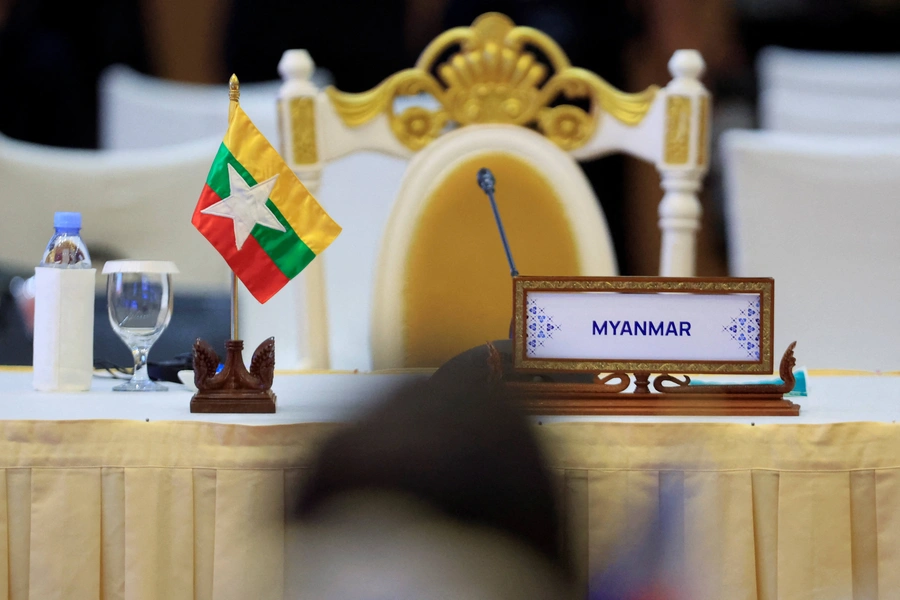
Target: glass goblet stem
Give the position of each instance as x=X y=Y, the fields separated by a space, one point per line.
x=139 y=354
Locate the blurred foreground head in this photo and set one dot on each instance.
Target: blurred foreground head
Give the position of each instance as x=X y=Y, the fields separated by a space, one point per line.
x=441 y=491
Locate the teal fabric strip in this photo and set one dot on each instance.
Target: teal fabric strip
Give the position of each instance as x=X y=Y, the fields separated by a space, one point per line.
x=800 y=376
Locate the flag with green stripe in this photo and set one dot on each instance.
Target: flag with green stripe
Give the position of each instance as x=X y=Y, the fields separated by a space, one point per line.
x=257 y=214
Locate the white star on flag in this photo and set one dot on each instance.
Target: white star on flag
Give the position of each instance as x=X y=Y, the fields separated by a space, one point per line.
x=246 y=206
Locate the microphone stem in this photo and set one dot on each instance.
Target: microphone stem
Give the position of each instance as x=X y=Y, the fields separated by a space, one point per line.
x=512 y=266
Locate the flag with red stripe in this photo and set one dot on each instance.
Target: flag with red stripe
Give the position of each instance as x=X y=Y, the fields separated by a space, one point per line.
x=257 y=214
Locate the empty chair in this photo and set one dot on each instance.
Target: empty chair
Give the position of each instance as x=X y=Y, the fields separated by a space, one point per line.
x=807 y=91
x=418 y=275
x=143 y=111
x=819 y=214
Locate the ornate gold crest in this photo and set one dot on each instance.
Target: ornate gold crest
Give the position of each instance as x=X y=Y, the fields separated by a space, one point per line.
x=494 y=78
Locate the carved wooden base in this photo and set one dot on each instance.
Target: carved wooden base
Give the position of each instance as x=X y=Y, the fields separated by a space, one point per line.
x=671 y=395
x=233 y=401
x=234 y=389
x=584 y=399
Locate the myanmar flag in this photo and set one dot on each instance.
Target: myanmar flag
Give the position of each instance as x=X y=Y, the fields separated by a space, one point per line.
x=257 y=214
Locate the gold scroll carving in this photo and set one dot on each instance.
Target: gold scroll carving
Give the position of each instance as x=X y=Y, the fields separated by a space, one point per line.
x=494 y=77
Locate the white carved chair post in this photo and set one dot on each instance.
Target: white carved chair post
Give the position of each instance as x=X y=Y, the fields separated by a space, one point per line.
x=297 y=116
x=298 y=314
x=683 y=163
x=299 y=146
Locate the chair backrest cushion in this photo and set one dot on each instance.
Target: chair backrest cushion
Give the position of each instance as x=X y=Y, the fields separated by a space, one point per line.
x=457 y=274
x=443 y=284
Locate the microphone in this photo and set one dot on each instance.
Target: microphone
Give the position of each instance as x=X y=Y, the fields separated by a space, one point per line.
x=486 y=182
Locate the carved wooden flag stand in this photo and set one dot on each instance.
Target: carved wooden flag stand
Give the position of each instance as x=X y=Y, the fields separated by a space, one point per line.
x=234 y=389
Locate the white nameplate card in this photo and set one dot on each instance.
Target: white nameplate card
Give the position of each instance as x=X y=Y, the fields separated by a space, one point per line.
x=648 y=324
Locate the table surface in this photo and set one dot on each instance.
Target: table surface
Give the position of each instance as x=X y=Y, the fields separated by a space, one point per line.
x=767 y=511
x=335 y=397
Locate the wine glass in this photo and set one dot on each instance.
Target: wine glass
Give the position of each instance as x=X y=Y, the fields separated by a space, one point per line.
x=139 y=299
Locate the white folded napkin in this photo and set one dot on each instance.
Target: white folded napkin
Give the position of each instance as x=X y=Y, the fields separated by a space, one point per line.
x=63 y=329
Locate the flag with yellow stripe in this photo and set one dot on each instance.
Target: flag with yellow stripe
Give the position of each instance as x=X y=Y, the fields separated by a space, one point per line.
x=257 y=214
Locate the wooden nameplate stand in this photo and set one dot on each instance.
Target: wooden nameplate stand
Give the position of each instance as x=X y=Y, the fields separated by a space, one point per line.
x=606 y=395
x=235 y=389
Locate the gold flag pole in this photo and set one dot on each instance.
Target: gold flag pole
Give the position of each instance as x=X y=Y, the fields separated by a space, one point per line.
x=233 y=388
x=234 y=96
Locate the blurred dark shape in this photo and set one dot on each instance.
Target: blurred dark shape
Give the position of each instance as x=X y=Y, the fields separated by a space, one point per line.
x=15 y=333
x=475 y=363
x=457 y=461
x=53 y=52
x=463 y=448
x=359 y=42
x=593 y=34
x=829 y=25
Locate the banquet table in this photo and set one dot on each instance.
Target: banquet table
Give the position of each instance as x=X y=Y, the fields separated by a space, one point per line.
x=112 y=495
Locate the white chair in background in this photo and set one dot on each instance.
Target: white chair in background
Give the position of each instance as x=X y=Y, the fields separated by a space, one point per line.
x=820 y=214
x=134 y=204
x=137 y=110
x=806 y=91
x=490 y=97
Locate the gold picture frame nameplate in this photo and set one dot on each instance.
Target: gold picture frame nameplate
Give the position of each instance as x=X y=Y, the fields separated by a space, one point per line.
x=527 y=288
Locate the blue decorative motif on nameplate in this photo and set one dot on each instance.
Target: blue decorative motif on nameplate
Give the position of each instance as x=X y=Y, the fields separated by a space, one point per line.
x=744 y=329
x=539 y=326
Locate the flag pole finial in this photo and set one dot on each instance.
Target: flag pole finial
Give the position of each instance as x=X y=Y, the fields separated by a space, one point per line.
x=234 y=88
x=234 y=94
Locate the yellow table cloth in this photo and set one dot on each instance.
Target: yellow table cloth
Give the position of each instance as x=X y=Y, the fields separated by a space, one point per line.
x=166 y=509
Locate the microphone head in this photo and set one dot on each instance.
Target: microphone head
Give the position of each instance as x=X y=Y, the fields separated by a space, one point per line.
x=486 y=180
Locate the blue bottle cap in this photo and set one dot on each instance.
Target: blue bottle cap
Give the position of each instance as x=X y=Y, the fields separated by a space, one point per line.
x=67 y=220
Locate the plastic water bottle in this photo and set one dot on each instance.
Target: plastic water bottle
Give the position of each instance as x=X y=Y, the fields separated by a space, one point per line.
x=64 y=311
x=66 y=249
